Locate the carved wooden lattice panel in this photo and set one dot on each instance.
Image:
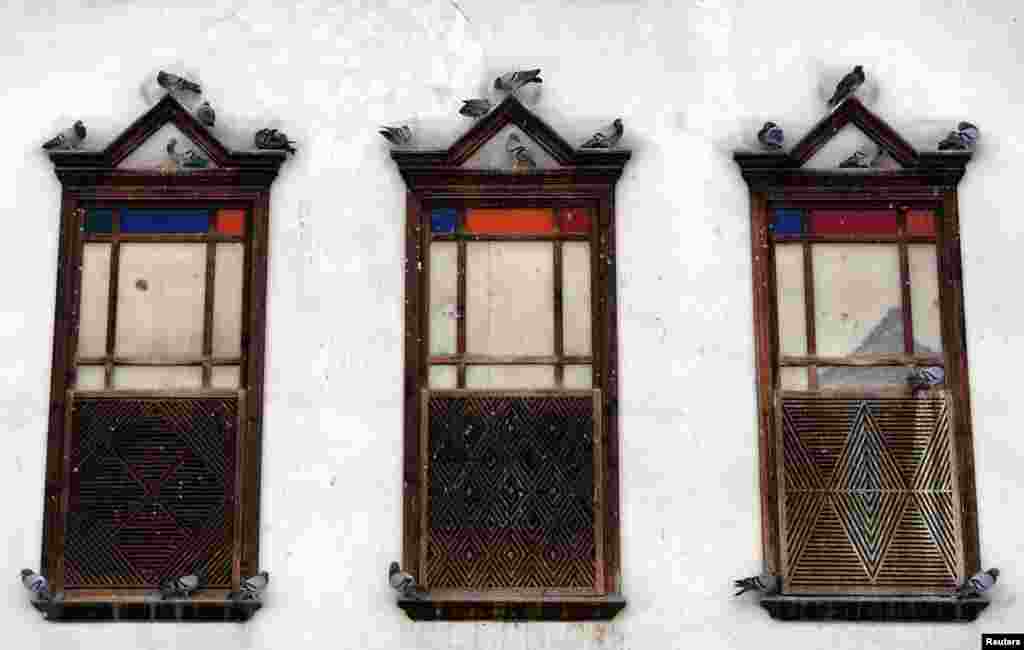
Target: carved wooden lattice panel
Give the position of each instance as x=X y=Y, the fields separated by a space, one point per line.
x=513 y=499
x=868 y=497
x=151 y=484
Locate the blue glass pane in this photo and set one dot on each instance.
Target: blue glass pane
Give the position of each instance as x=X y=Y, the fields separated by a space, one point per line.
x=443 y=219
x=788 y=221
x=99 y=220
x=164 y=220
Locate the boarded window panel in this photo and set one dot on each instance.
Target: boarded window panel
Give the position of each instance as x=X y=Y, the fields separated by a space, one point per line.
x=793 y=378
x=861 y=222
x=443 y=220
x=843 y=376
x=924 y=299
x=788 y=221
x=574 y=377
x=443 y=297
x=229 y=279
x=921 y=222
x=857 y=299
x=575 y=219
x=443 y=377
x=230 y=222
x=509 y=302
x=510 y=220
x=92 y=313
x=164 y=220
x=157 y=377
x=510 y=377
x=160 y=301
x=90 y=378
x=576 y=298
x=789 y=282
x=225 y=377
x=99 y=220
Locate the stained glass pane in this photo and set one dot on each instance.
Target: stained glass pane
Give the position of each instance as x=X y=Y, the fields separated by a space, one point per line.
x=443 y=220
x=90 y=378
x=443 y=377
x=574 y=219
x=514 y=220
x=230 y=222
x=789 y=283
x=921 y=222
x=443 y=297
x=92 y=313
x=227 y=300
x=225 y=377
x=157 y=377
x=164 y=220
x=860 y=222
x=788 y=221
x=99 y=220
x=577 y=377
x=510 y=377
x=792 y=378
x=576 y=298
x=924 y=299
x=837 y=376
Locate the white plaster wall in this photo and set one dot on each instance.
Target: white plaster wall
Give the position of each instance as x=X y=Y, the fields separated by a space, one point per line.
x=692 y=80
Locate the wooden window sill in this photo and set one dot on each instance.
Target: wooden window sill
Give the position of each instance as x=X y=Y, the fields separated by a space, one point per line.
x=476 y=606
x=211 y=606
x=873 y=608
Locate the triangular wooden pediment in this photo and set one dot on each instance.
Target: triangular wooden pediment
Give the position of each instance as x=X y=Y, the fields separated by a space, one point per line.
x=510 y=112
x=852 y=111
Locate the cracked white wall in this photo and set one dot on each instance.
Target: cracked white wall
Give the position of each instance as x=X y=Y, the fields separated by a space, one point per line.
x=693 y=81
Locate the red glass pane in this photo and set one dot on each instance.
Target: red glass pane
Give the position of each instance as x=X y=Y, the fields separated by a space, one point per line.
x=230 y=222
x=515 y=220
x=853 y=222
x=921 y=222
x=574 y=219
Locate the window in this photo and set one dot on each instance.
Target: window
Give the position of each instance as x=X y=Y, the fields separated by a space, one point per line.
x=511 y=486
x=153 y=461
x=867 y=487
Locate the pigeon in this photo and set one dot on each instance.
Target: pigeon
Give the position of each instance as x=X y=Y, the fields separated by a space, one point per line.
x=978 y=584
x=173 y=82
x=607 y=137
x=521 y=158
x=397 y=135
x=67 y=139
x=770 y=136
x=513 y=81
x=205 y=114
x=252 y=587
x=925 y=378
x=847 y=86
x=765 y=583
x=404 y=583
x=273 y=139
x=858 y=160
x=964 y=137
x=36 y=584
x=475 y=107
x=182 y=586
x=968 y=132
x=187 y=158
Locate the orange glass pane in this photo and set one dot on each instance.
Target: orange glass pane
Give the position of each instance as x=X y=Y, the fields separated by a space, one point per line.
x=516 y=220
x=231 y=222
x=574 y=219
x=921 y=222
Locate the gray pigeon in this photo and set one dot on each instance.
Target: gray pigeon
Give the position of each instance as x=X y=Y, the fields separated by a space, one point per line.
x=273 y=139
x=67 y=139
x=847 y=86
x=475 y=107
x=607 y=137
x=925 y=378
x=174 y=83
x=36 y=584
x=404 y=583
x=978 y=584
x=859 y=160
x=513 y=81
x=765 y=583
x=521 y=158
x=964 y=137
x=205 y=114
x=770 y=136
x=182 y=586
x=397 y=135
x=187 y=158
x=252 y=587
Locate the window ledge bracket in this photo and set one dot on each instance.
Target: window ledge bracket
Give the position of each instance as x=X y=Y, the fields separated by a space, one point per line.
x=139 y=611
x=589 y=608
x=873 y=608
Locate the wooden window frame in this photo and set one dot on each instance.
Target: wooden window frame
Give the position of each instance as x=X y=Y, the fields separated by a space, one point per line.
x=926 y=180
x=239 y=179
x=437 y=179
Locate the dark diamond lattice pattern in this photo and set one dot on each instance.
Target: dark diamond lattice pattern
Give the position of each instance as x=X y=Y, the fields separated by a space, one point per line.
x=150 y=491
x=511 y=493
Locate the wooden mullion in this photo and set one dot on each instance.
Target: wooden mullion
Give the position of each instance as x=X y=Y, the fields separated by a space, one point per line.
x=862 y=360
x=115 y=266
x=508 y=360
x=208 y=298
x=905 y=298
x=411 y=483
x=559 y=314
x=812 y=339
x=460 y=301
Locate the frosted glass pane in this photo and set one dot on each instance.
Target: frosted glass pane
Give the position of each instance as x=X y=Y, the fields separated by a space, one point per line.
x=577 y=377
x=576 y=298
x=924 y=299
x=509 y=301
x=227 y=300
x=443 y=377
x=157 y=377
x=857 y=299
x=92 y=313
x=840 y=376
x=789 y=283
x=510 y=377
x=793 y=378
x=90 y=378
x=443 y=297
x=224 y=377
x=160 y=301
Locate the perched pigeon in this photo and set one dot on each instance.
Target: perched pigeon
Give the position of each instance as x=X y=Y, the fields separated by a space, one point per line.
x=252 y=587
x=404 y=583
x=475 y=107
x=964 y=137
x=858 y=160
x=978 y=584
x=67 y=139
x=187 y=158
x=847 y=86
x=513 y=81
x=36 y=584
x=770 y=136
x=173 y=82
x=397 y=135
x=765 y=583
x=521 y=158
x=925 y=378
x=182 y=586
x=968 y=132
x=607 y=137
x=273 y=139
x=205 y=114
x=877 y=160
